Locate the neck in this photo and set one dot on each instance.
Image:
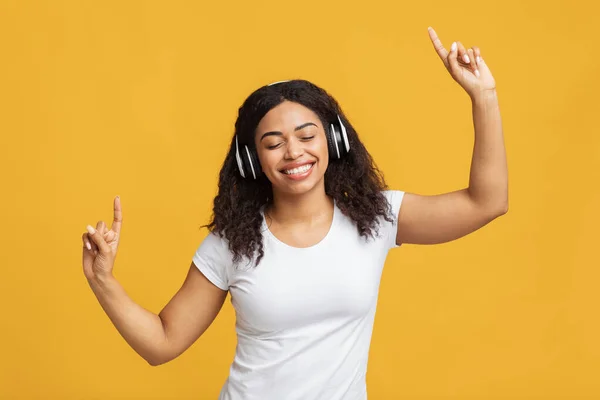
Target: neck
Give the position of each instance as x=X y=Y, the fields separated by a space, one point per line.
x=306 y=208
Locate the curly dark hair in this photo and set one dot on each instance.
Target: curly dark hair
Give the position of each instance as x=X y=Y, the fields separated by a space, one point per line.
x=354 y=181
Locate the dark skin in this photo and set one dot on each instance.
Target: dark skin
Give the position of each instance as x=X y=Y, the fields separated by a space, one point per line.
x=301 y=213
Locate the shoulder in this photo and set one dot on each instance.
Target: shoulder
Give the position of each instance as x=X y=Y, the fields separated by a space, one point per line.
x=394 y=199
x=214 y=259
x=214 y=244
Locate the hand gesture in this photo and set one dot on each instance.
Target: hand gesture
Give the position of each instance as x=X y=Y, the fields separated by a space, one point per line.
x=100 y=246
x=466 y=66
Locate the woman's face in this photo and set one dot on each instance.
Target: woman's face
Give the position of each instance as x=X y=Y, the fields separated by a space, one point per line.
x=292 y=148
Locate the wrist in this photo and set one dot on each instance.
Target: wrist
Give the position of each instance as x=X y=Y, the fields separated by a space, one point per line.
x=484 y=95
x=102 y=282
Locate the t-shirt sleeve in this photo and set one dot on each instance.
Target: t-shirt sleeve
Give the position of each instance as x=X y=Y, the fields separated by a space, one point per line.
x=213 y=259
x=394 y=198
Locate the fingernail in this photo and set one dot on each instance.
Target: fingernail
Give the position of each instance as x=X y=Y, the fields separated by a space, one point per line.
x=91 y=230
x=466 y=58
x=453 y=47
x=478 y=59
x=477 y=73
x=87 y=244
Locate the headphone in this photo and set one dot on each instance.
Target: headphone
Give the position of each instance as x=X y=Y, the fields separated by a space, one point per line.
x=337 y=145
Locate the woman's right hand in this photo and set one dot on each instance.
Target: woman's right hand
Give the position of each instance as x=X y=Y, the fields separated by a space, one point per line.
x=100 y=246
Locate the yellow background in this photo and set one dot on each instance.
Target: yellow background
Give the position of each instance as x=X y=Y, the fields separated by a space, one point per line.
x=139 y=99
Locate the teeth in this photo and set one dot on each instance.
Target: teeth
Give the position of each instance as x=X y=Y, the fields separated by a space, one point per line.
x=298 y=170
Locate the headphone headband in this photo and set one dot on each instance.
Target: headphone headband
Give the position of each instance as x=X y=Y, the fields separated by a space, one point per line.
x=275 y=83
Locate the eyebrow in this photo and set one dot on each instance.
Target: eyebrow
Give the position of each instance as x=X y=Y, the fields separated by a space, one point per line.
x=277 y=133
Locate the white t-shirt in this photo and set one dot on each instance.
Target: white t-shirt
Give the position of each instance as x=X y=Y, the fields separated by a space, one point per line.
x=304 y=316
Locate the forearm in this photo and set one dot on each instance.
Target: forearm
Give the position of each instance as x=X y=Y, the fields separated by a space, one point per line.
x=141 y=329
x=488 y=181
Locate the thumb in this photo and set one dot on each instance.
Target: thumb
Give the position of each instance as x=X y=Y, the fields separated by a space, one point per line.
x=96 y=236
x=483 y=67
x=109 y=236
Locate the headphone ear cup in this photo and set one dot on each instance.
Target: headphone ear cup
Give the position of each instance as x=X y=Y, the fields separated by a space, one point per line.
x=251 y=164
x=337 y=140
x=255 y=163
x=344 y=136
x=330 y=135
x=239 y=157
x=247 y=161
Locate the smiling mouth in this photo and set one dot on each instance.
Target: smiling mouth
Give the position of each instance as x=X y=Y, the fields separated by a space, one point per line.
x=298 y=170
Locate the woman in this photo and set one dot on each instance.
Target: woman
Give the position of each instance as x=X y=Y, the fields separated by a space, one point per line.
x=301 y=228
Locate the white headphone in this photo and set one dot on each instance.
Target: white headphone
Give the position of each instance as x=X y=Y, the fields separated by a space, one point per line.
x=337 y=144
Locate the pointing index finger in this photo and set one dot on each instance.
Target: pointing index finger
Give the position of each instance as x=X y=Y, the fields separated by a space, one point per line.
x=439 y=47
x=118 y=217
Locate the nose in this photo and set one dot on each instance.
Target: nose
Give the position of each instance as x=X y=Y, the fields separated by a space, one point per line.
x=294 y=149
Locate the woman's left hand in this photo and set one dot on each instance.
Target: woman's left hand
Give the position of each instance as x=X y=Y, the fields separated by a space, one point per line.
x=466 y=66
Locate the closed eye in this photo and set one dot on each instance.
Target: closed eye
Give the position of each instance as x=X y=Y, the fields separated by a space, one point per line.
x=273 y=147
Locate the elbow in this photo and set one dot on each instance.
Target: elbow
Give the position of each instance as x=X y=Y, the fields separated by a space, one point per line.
x=499 y=206
x=160 y=357
x=156 y=358
x=160 y=354
x=504 y=206
x=493 y=211
x=155 y=362
x=501 y=209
